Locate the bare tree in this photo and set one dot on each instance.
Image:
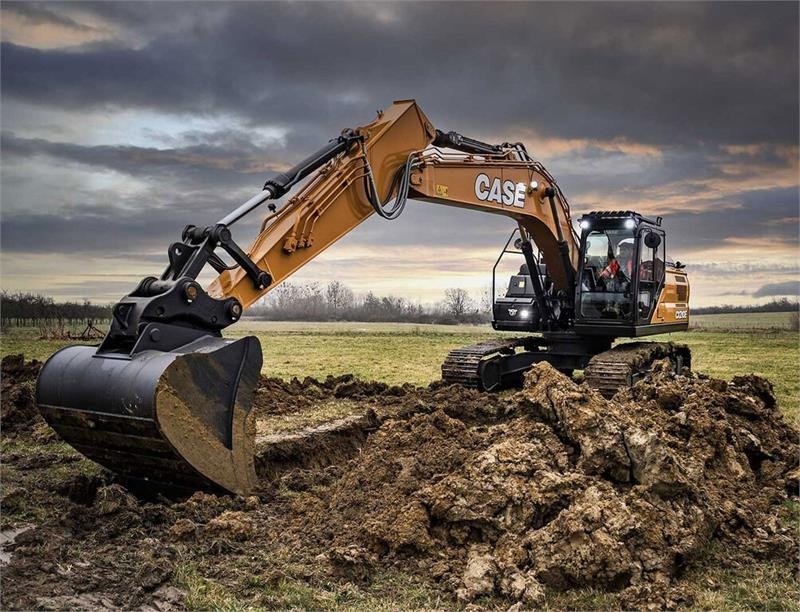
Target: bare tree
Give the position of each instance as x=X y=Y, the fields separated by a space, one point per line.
x=487 y=300
x=312 y=304
x=285 y=297
x=338 y=296
x=34 y=310
x=457 y=302
x=372 y=306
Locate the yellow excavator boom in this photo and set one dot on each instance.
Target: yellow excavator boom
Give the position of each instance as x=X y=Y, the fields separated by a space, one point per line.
x=334 y=201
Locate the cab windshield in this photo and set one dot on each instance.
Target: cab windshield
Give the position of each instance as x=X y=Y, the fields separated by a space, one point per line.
x=607 y=275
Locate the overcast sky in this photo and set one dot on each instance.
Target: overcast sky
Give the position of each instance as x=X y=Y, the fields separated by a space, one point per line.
x=122 y=122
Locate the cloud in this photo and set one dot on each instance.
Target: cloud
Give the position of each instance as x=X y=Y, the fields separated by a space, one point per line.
x=779 y=289
x=35 y=14
x=213 y=157
x=745 y=269
x=122 y=122
x=646 y=72
x=34 y=24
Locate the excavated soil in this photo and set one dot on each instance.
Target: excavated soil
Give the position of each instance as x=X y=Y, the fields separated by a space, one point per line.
x=491 y=499
x=17 y=384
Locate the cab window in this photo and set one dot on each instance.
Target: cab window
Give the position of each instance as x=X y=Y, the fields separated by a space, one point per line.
x=606 y=275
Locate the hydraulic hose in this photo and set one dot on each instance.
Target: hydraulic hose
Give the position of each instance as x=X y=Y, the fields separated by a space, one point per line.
x=400 y=186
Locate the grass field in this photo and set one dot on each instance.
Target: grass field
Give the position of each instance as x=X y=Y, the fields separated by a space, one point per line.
x=743 y=321
x=400 y=352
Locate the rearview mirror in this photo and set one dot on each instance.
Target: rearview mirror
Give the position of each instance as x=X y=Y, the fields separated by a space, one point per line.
x=652 y=240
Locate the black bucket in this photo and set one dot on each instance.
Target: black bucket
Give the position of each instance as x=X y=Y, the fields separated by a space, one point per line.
x=166 y=421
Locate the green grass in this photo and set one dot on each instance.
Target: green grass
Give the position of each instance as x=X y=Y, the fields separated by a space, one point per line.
x=202 y=593
x=766 y=585
x=26 y=340
x=396 y=353
x=742 y=321
x=287 y=585
x=395 y=357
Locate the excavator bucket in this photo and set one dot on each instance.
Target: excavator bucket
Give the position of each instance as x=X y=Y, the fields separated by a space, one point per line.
x=167 y=421
x=165 y=400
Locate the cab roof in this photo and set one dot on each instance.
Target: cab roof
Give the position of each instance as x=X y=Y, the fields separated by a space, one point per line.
x=614 y=215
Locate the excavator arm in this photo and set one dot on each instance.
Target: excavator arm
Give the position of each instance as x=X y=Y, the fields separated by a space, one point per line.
x=165 y=400
x=332 y=202
x=394 y=158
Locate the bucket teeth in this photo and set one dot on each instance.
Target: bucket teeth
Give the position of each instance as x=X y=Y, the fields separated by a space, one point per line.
x=168 y=421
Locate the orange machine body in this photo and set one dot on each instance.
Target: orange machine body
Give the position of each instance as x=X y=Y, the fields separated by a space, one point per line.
x=333 y=202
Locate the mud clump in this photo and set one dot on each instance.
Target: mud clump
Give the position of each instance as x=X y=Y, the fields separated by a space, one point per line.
x=572 y=490
x=18 y=368
x=231 y=524
x=18 y=391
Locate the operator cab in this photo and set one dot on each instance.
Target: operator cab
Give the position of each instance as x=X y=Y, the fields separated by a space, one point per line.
x=622 y=274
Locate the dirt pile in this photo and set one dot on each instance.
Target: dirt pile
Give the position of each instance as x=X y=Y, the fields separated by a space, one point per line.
x=18 y=380
x=97 y=555
x=489 y=498
x=370 y=404
x=276 y=396
x=572 y=490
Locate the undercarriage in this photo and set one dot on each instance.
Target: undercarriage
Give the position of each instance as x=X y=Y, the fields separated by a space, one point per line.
x=495 y=364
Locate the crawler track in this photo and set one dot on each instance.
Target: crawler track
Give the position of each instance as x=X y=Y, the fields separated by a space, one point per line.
x=462 y=364
x=623 y=365
x=608 y=371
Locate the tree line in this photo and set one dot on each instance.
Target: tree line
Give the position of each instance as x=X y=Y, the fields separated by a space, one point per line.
x=312 y=302
x=36 y=310
x=287 y=302
x=337 y=302
x=778 y=305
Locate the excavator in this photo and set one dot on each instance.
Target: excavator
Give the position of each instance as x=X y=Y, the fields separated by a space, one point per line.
x=165 y=400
